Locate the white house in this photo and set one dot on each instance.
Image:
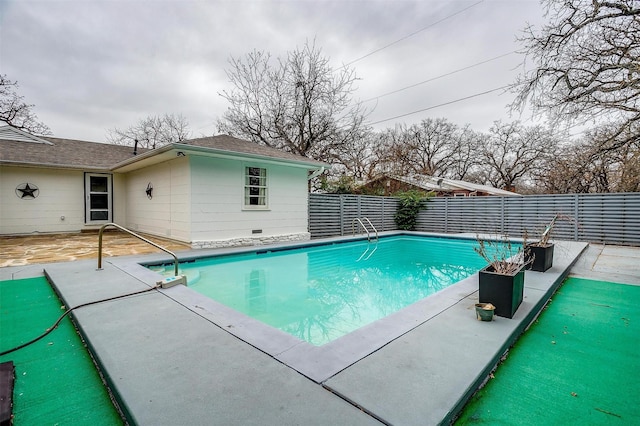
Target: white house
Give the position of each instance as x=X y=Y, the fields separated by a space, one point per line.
x=208 y=192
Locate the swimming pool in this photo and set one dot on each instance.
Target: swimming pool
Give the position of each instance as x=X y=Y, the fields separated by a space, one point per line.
x=319 y=293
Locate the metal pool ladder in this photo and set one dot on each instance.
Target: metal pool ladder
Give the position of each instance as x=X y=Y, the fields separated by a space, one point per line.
x=115 y=225
x=360 y=221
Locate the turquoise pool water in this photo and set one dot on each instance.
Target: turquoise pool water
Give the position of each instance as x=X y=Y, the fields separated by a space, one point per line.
x=319 y=293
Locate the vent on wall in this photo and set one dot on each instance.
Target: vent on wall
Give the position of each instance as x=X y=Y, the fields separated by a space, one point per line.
x=256 y=231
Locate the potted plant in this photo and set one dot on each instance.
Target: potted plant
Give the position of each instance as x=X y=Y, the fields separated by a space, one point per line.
x=539 y=254
x=484 y=311
x=501 y=282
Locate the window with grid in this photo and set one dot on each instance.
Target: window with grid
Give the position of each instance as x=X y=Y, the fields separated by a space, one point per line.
x=255 y=187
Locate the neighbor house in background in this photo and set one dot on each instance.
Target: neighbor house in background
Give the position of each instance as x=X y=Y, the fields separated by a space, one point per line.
x=208 y=192
x=441 y=187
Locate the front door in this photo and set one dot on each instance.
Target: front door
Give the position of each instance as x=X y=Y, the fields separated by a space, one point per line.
x=98 y=198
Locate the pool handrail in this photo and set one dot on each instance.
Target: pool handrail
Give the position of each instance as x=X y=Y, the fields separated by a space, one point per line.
x=367 y=252
x=353 y=227
x=122 y=228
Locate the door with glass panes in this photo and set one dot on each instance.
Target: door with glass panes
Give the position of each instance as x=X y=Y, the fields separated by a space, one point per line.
x=98 y=198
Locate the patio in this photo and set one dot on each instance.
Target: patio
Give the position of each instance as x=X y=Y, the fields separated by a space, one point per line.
x=48 y=248
x=397 y=384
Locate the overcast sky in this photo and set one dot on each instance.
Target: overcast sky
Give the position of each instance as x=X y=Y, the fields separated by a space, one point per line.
x=92 y=65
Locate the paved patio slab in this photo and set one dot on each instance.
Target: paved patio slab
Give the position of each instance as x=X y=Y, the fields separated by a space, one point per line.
x=169 y=364
x=618 y=264
x=425 y=376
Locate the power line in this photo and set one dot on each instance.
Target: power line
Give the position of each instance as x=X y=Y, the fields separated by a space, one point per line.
x=412 y=34
x=439 y=76
x=438 y=106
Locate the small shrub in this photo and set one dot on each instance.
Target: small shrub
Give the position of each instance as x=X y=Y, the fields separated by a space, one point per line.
x=411 y=202
x=341 y=185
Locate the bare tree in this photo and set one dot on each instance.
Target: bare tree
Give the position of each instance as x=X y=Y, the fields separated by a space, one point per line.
x=152 y=132
x=357 y=158
x=434 y=147
x=431 y=144
x=569 y=171
x=512 y=152
x=629 y=172
x=299 y=104
x=588 y=165
x=464 y=150
x=14 y=111
x=393 y=151
x=586 y=65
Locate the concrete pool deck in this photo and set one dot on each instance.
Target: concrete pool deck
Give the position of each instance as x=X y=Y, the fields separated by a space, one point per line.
x=169 y=364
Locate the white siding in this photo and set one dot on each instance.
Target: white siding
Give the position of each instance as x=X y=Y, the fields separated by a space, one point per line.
x=59 y=206
x=217 y=200
x=119 y=199
x=167 y=213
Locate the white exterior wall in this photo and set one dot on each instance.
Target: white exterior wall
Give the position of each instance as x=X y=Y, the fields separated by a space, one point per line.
x=196 y=199
x=119 y=208
x=217 y=195
x=59 y=206
x=167 y=213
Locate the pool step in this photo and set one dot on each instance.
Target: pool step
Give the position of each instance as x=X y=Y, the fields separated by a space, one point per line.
x=173 y=281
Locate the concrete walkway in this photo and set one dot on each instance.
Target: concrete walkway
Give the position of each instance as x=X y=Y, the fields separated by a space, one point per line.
x=617 y=264
x=171 y=362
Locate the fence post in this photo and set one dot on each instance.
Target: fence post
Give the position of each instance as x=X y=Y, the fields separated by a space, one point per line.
x=446 y=215
x=576 y=212
x=502 y=215
x=341 y=214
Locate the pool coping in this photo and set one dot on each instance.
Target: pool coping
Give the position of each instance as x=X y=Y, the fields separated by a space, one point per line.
x=318 y=363
x=354 y=371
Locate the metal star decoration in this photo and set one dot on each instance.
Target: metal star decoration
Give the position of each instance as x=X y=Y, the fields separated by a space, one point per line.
x=26 y=190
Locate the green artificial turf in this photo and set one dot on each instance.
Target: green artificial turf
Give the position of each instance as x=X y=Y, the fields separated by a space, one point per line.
x=578 y=364
x=56 y=381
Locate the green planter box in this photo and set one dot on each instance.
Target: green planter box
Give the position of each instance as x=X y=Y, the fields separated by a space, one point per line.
x=505 y=292
x=542 y=257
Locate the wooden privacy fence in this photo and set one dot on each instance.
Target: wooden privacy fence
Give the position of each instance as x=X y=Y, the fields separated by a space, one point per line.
x=602 y=218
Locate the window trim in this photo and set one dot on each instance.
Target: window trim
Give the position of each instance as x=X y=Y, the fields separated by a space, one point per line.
x=246 y=186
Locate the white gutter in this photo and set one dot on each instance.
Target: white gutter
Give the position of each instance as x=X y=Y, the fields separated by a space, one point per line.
x=216 y=152
x=316 y=173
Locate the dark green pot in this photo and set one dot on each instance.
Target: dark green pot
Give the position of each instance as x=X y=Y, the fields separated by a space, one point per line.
x=505 y=292
x=539 y=258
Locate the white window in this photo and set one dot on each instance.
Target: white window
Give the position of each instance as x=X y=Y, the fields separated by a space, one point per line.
x=255 y=188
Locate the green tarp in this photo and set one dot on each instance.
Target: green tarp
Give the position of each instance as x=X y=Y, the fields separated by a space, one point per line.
x=56 y=381
x=578 y=364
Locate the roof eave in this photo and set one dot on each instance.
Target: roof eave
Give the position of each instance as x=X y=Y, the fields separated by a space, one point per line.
x=54 y=166
x=165 y=153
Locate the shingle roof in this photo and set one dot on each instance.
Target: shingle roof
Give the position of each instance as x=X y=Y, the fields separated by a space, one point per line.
x=66 y=153
x=78 y=154
x=232 y=144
